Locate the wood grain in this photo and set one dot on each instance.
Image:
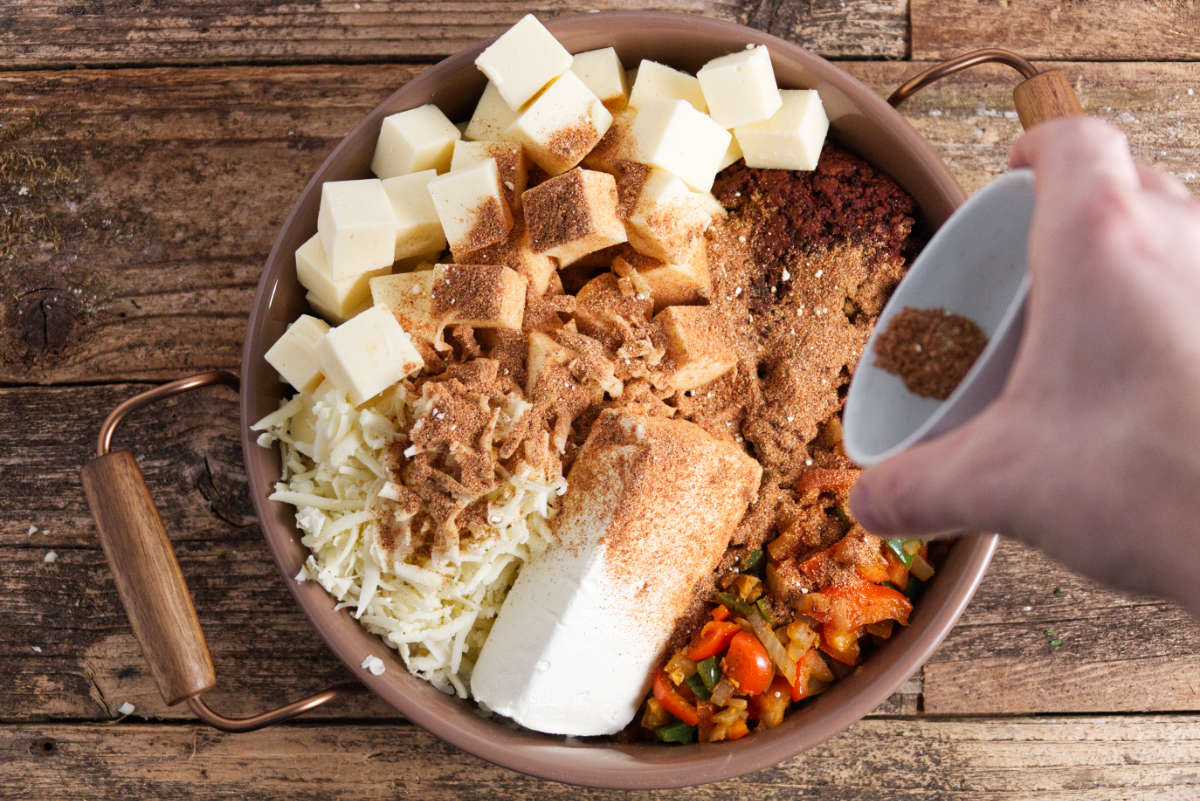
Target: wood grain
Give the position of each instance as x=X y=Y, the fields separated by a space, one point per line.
x=54 y=33
x=1127 y=30
x=145 y=201
x=1053 y=759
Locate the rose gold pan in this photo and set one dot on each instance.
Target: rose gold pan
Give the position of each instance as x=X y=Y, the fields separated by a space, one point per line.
x=157 y=600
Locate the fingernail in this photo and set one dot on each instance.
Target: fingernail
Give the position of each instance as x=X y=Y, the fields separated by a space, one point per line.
x=864 y=510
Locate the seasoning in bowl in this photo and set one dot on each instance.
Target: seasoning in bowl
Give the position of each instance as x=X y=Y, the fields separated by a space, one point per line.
x=930 y=350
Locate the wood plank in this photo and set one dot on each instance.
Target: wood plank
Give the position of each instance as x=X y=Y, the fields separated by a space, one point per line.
x=1053 y=759
x=135 y=245
x=1162 y=30
x=65 y=33
x=1115 y=653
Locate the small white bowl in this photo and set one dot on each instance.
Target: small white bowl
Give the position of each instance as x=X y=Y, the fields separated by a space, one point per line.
x=975 y=266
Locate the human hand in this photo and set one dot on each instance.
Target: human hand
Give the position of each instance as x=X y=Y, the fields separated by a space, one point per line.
x=1092 y=450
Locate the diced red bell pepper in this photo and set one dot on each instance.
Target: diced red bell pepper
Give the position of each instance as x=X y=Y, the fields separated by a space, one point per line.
x=712 y=640
x=848 y=607
x=722 y=611
x=897 y=573
x=666 y=694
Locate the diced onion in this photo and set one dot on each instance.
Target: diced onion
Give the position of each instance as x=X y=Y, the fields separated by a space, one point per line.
x=920 y=568
x=774 y=647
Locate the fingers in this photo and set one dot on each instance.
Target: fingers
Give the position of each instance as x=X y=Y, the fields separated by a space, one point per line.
x=1074 y=158
x=945 y=485
x=1156 y=180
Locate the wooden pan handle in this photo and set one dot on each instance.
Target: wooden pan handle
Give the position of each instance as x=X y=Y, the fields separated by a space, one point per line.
x=148 y=577
x=1046 y=96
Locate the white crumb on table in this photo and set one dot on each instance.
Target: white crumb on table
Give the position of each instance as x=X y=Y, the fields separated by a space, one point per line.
x=50 y=557
x=126 y=708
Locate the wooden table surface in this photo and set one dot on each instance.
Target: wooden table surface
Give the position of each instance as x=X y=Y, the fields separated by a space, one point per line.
x=148 y=155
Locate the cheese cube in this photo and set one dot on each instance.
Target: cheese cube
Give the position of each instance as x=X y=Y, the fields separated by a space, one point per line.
x=522 y=60
x=492 y=116
x=421 y=138
x=420 y=230
x=792 y=138
x=480 y=295
x=367 y=354
x=517 y=253
x=601 y=70
x=667 y=220
x=732 y=154
x=544 y=351
x=470 y=203
x=740 y=87
x=677 y=283
x=511 y=162
x=659 y=82
x=334 y=299
x=604 y=311
x=294 y=355
x=673 y=135
x=699 y=344
x=573 y=214
x=615 y=146
x=562 y=125
x=409 y=297
x=357 y=226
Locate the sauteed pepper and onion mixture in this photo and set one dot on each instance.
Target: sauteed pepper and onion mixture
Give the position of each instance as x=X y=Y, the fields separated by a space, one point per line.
x=770 y=642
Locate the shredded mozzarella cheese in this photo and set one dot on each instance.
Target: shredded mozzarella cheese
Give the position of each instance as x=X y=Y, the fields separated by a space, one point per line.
x=436 y=615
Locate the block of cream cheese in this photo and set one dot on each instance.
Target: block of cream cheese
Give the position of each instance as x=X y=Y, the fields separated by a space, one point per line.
x=335 y=299
x=294 y=355
x=419 y=231
x=562 y=125
x=367 y=354
x=522 y=60
x=673 y=135
x=601 y=70
x=670 y=283
x=357 y=226
x=792 y=138
x=511 y=162
x=470 y=203
x=659 y=82
x=573 y=214
x=421 y=138
x=649 y=509
x=517 y=253
x=740 y=87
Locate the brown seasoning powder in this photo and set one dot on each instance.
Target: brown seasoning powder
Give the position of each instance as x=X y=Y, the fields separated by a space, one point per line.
x=931 y=350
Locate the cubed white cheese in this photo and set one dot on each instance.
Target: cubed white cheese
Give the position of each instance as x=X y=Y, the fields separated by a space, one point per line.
x=732 y=154
x=419 y=231
x=659 y=82
x=357 y=226
x=418 y=139
x=511 y=163
x=668 y=220
x=792 y=138
x=337 y=300
x=562 y=125
x=294 y=354
x=522 y=60
x=492 y=116
x=367 y=354
x=740 y=87
x=671 y=134
x=601 y=70
x=470 y=203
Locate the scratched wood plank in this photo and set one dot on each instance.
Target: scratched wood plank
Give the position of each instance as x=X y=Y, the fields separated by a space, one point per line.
x=1127 y=30
x=140 y=204
x=53 y=33
x=1052 y=759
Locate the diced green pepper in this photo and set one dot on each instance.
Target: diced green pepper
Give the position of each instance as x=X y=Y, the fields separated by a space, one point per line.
x=677 y=732
x=735 y=604
x=764 y=609
x=896 y=546
x=697 y=684
x=709 y=672
x=752 y=562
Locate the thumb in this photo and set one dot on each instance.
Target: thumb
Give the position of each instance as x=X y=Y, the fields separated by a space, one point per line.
x=949 y=484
